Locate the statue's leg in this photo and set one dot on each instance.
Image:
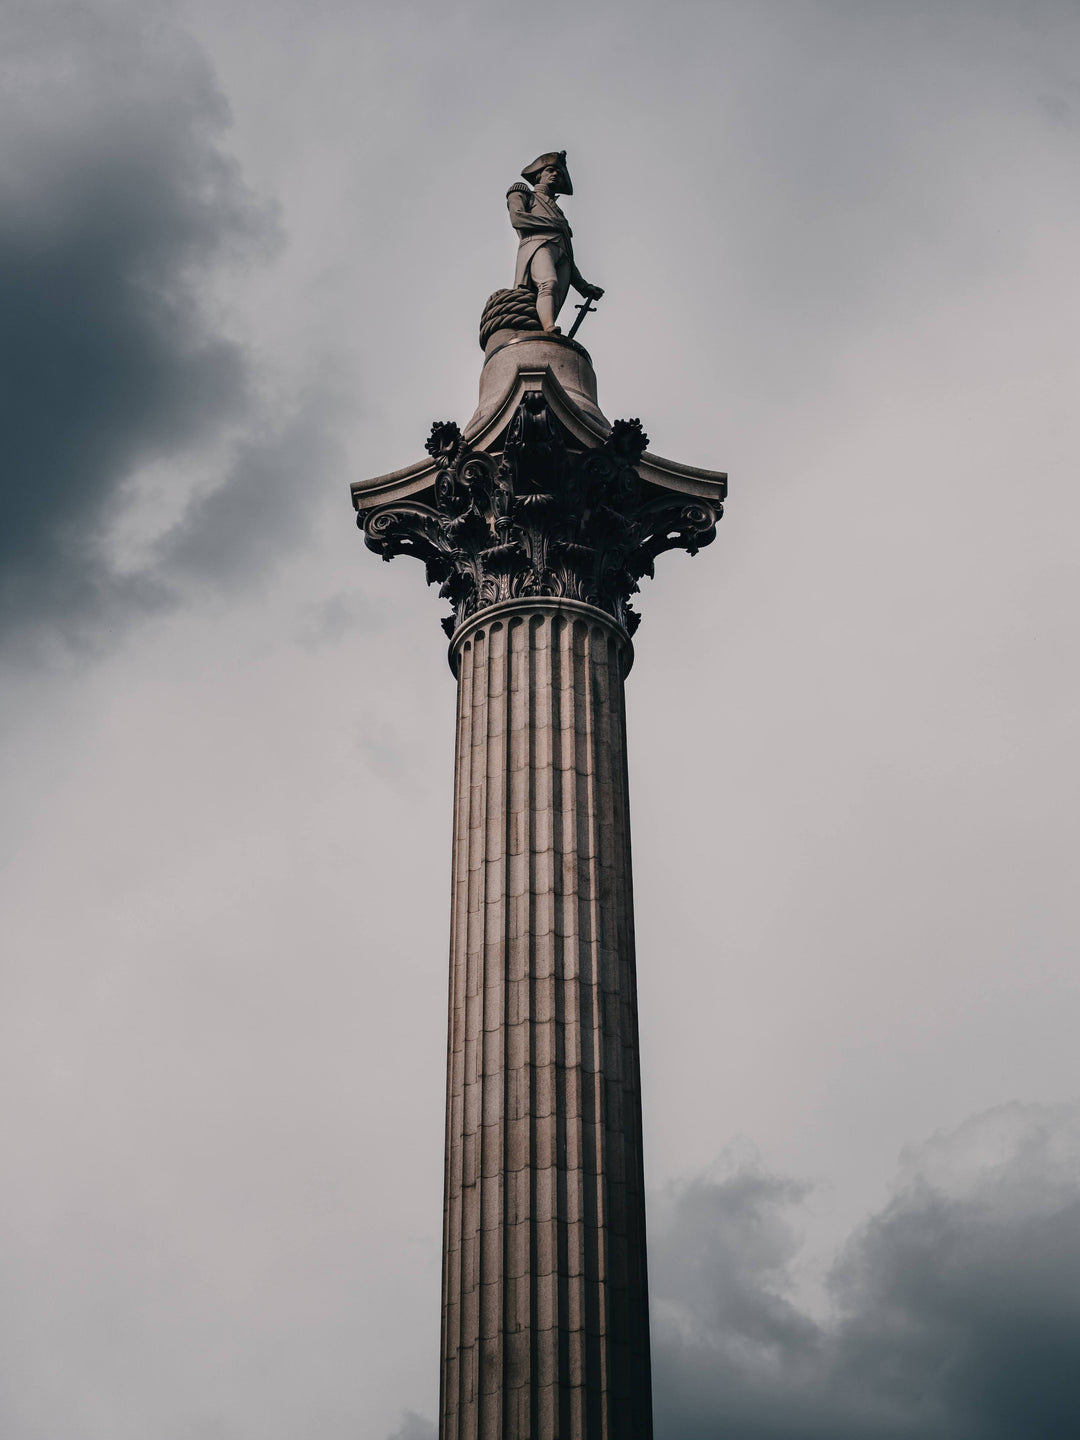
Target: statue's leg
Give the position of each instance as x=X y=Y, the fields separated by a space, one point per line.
x=562 y=283
x=545 y=277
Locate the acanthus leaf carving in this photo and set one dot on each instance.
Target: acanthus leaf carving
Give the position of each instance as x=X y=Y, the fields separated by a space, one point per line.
x=541 y=518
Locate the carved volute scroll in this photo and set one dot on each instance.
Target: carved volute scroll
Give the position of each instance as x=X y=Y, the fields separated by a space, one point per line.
x=543 y=517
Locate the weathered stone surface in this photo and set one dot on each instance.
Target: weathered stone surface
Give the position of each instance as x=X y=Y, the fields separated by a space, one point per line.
x=542 y=518
x=561 y=372
x=537 y=523
x=508 y=354
x=545 y=1303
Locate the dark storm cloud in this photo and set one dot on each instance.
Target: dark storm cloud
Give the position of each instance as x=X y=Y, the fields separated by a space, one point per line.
x=237 y=528
x=958 y=1306
x=116 y=203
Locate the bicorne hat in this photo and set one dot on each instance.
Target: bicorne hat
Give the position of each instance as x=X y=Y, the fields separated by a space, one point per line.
x=557 y=158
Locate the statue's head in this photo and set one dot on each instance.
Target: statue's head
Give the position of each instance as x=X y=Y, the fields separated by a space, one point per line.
x=550 y=168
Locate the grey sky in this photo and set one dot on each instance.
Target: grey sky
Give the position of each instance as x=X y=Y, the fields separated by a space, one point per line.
x=243 y=251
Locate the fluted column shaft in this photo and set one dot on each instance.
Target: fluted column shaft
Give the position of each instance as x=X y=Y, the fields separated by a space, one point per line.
x=545 y=1300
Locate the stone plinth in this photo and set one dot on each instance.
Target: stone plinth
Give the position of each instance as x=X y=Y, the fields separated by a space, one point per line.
x=545 y=1308
x=537 y=523
x=509 y=353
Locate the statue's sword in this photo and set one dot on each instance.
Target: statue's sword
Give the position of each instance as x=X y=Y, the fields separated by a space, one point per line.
x=583 y=310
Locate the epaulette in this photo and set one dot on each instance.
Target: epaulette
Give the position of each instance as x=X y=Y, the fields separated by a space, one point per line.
x=517 y=185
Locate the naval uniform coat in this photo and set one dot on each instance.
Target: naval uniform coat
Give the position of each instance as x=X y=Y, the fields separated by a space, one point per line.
x=538 y=222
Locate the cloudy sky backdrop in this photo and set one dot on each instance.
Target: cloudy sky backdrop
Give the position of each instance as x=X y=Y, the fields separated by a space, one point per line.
x=243 y=252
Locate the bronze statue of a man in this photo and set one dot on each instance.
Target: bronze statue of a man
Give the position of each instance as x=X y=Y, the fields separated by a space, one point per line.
x=545 y=259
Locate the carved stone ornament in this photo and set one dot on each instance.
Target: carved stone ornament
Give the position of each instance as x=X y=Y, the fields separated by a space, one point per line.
x=545 y=516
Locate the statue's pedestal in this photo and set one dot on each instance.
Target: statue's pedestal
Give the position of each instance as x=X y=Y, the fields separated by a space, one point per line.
x=510 y=352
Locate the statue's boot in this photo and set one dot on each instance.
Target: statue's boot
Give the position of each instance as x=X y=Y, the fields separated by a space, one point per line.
x=545 y=307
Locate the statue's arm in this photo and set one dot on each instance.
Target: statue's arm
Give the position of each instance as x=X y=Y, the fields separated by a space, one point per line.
x=519 y=203
x=582 y=286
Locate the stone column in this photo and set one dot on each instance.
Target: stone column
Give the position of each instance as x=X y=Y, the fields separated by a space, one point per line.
x=545 y=1331
x=537 y=523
